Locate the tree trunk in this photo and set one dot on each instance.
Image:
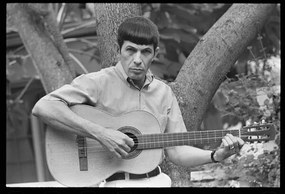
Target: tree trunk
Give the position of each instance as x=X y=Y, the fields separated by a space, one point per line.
x=43 y=41
x=108 y=18
x=207 y=65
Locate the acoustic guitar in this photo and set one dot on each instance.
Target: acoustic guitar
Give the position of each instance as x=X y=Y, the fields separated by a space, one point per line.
x=77 y=161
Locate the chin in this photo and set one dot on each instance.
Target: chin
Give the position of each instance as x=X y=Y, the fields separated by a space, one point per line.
x=136 y=77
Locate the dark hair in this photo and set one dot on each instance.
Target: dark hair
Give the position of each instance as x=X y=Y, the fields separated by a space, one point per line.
x=138 y=30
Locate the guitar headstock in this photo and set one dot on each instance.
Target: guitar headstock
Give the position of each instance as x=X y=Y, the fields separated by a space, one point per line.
x=258 y=132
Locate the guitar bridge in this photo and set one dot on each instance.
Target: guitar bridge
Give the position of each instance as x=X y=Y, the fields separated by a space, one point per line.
x=82 y=153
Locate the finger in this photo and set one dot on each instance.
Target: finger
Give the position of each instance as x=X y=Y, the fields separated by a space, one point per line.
x=117 y=150
x=234 y=141
x=116 y=153
x=230 y=143
x=122 y=152
x=125 y=147
x=225 y=143
x=121 y=145
x=240 y=142
x=130 y=142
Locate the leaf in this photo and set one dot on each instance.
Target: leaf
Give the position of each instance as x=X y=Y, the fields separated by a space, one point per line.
x=179 y=12
x=178 y=35
x=160 y=19
x=170 y=34
x=199 y=20
x=219 y=100
x=16 y=115
x=170 y=47
x=182 y=25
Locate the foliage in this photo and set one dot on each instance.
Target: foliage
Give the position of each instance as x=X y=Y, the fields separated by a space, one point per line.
x=241 y=98
x=256 y=167
x=182 y=25
x=16 y=116
x=257 y=170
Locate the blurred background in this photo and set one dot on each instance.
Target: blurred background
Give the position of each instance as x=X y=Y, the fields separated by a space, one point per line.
x=181 y=26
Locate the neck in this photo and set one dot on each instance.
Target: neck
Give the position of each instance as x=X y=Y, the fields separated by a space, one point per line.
x=152 y=141
x=138 y=83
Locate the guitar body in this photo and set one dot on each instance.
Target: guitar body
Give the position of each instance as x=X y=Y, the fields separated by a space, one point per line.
x=71 y=168
x=78 y=161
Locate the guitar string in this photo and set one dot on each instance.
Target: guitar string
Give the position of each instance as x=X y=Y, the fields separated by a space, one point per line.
x=153 y=140
x=157 y=138
x=99 y=148
x=91 y=151
x=197 y=134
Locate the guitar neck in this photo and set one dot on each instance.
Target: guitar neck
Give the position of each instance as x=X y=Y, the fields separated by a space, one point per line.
x=152 y=141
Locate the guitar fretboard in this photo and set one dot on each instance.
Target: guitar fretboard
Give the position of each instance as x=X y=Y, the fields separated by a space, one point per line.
x=151 y=141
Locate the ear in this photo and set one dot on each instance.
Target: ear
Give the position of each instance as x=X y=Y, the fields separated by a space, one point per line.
x=156 y=52
x=118 y=48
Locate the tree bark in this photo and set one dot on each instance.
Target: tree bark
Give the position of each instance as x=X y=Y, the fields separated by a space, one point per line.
x=43 y=42
x=108 y=18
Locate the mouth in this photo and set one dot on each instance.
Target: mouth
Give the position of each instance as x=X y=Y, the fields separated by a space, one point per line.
x=137 y=70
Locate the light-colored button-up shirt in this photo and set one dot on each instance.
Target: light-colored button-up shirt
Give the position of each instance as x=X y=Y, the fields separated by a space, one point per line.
x=110 y=90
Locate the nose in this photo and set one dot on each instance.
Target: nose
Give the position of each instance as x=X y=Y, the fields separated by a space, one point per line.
x=137 y=58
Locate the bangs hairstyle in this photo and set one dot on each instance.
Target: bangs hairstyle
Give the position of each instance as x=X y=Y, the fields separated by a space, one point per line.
x=138 y=30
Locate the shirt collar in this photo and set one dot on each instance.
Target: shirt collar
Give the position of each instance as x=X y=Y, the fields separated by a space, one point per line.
x=120 y=69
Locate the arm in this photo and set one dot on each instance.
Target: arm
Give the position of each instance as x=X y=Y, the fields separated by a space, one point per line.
x=191 y=156
x=188 y=156
x=58 y=115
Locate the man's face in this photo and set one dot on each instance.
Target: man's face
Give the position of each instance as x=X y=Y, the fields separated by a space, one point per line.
x=136 y=60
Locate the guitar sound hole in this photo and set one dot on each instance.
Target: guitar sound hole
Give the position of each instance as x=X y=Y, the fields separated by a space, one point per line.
x=132 y=132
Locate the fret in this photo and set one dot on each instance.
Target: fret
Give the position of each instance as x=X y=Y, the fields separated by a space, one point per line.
x=201 y=137
x=208 y=137
x=150 y=141
x=186 y=140
x=195 y=137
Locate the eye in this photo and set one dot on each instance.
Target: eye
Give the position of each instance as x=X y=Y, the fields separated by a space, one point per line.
x=131 y=50
x=147 y=51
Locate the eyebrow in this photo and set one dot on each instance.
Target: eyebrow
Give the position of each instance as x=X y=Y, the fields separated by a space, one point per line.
x=129 y=46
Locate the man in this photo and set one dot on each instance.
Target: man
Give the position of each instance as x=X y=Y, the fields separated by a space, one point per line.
x=123 y=88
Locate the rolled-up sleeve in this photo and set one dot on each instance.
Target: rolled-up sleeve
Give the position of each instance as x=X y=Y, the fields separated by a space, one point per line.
x=82 y=90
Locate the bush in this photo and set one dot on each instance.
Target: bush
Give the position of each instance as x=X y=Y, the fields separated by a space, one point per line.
x=242 y=100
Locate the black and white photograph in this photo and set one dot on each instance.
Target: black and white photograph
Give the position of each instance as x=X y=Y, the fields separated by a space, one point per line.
x=143 y=95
